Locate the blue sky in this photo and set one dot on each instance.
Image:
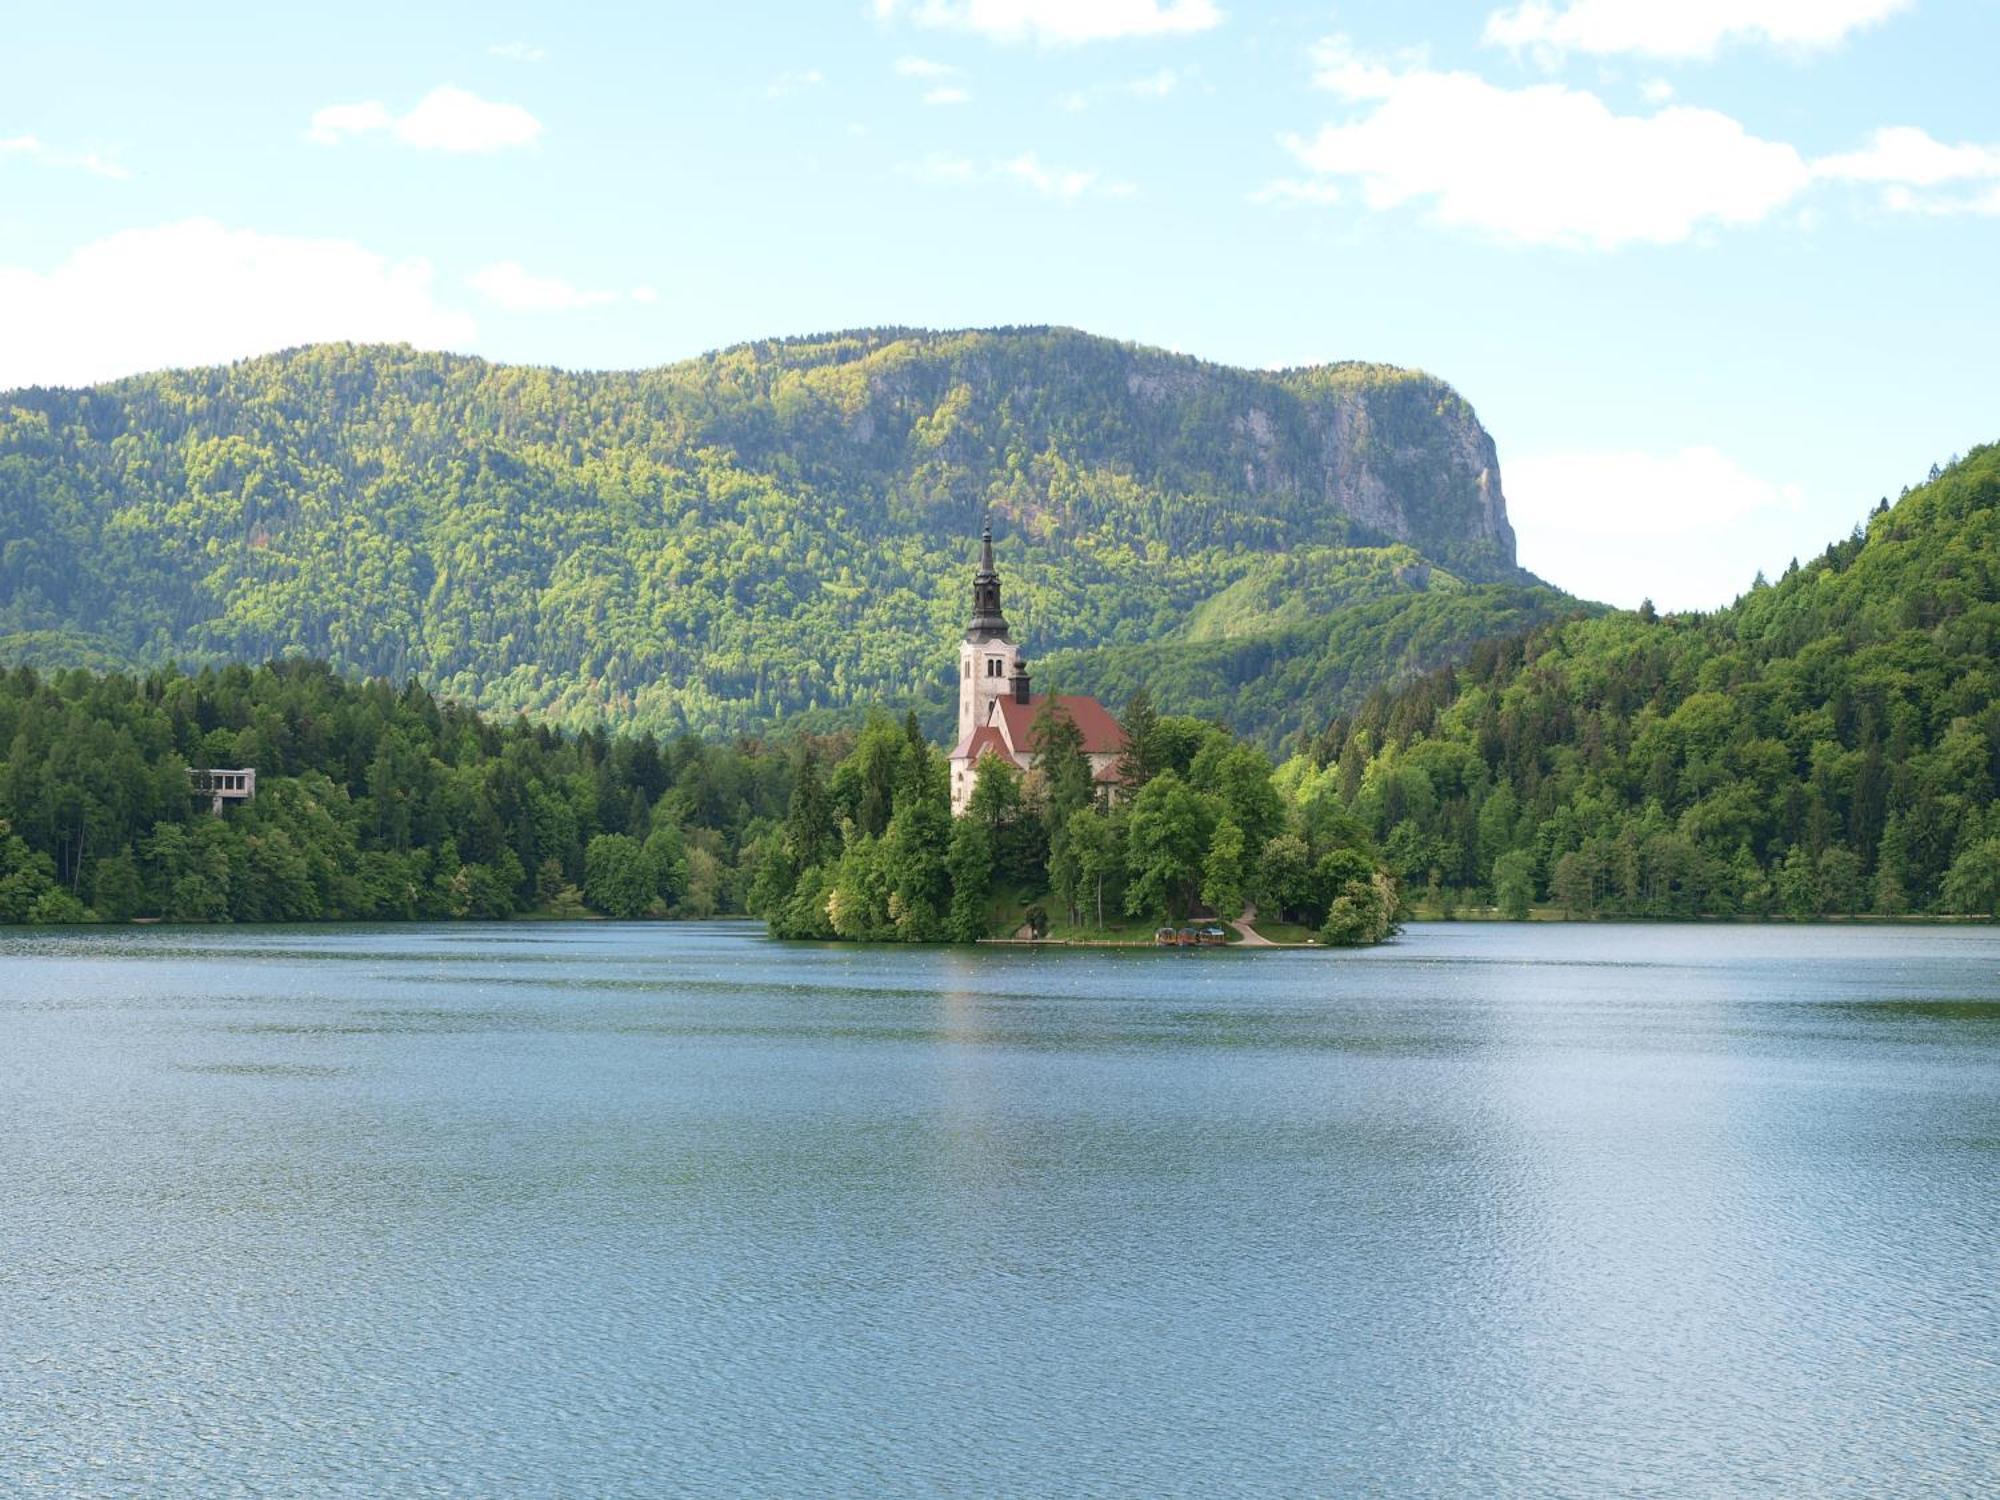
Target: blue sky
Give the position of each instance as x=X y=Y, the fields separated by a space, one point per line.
x=1715 y=273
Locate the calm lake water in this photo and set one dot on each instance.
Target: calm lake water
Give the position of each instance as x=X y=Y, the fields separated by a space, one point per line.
x=633 y=1210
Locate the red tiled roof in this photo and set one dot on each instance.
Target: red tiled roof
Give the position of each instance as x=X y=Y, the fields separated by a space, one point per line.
x=976 y=744
x=1101 y=734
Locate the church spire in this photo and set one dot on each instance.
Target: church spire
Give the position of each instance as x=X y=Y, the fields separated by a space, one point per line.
x=988 y=623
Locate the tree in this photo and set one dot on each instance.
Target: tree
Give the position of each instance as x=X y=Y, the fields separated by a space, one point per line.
x=1573 y=883
x=1223 y=875
x=1096 y=842
x=666 y=859
x=618 y=879
x=1140 y=758
x=1973 y=884
x=1167 y=842
x=1798 y=883
x=1065 y=872
x=1840 y=884
x=970 y=863
x=116 y=890
x=1363 y=912
x=1284 y=880
x=1060 y=765
x=915 y=862
x=1514 y=884
x=809 y=823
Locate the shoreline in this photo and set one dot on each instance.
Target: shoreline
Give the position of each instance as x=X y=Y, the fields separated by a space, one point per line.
x=1472 y=917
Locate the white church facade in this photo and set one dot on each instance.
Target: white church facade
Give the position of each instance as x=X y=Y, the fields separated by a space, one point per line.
x=998 y=714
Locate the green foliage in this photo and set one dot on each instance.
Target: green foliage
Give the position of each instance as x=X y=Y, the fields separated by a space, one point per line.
x=617 y=877
x=1514 y=883
x=1829 y=744
x=1269 y=684
x=1361 y=912
x=970 y=862
x=1171 y=828
x=775 y=529
x=1973 y=885
x=1190 y=835
x=372 y=802
x=1225 y=874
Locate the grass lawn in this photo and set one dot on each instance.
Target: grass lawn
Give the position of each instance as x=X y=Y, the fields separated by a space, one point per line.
x=1117 y=928
x=1284 y=932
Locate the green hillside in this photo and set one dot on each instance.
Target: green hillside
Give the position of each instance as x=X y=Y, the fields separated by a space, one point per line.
x=776 y=528
x=1270 y=684
x=1829 y=744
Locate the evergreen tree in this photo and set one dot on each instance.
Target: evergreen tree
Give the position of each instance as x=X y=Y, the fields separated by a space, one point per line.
x=1141 y=756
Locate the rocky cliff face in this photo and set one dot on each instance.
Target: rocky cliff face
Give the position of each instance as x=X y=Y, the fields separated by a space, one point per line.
x=1350 y=452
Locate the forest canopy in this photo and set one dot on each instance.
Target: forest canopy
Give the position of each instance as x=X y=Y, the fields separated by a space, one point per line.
x=377 y=803
x=1828 y=745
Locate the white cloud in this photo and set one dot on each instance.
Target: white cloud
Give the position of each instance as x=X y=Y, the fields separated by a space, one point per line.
x=1680 y=28
x=513 y=286
x=940 y=168
x=519 y=52
x=794 y=83
x=1919 y=174
x=1156 y=85
x=196 y=292
x=33 y=148
x=1053 y=22
x=333 y=124
x=1066 y=184
x=1293 y=190
x=1544 y=165
x=1656 y=90
x=1624 y=526
x=923 y=67
x=445 y=119
x=1911 y=157
x=947 y=95
x=1050 y=182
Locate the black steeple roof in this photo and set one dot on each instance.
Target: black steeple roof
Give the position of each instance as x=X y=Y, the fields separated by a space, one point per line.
x=988 y=623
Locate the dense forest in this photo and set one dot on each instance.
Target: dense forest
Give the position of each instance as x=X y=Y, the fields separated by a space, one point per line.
x=1829 y=744
x=779 y=529
x=1271 y=682
x=374 y=803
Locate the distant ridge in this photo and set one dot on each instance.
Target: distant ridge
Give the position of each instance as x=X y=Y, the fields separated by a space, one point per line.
x=774 y=528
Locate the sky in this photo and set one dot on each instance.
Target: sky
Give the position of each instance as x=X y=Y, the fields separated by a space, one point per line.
x=1716 y=274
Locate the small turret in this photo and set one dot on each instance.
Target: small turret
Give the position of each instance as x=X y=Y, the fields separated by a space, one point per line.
x=1019 y=681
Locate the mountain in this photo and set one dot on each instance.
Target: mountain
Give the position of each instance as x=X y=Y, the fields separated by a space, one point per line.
x=1828 y=744
x=1309 y=633
x=777 y=527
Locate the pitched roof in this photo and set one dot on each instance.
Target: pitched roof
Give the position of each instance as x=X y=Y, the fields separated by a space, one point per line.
x=976 y=744
x=1101 y=734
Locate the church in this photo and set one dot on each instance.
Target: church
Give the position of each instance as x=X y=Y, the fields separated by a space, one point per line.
x=997 y=713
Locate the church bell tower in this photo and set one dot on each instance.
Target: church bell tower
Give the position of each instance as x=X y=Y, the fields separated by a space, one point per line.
x=988 y=662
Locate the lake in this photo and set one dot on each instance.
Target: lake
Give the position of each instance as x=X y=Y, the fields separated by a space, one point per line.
x=602 y=1209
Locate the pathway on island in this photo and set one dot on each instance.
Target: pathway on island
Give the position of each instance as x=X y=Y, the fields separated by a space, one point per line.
x=1251 y=937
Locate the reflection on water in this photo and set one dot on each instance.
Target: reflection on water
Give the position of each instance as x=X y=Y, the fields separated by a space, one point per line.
x=610 y=1210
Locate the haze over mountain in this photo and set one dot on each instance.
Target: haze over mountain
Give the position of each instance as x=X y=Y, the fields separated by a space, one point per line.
x=778 y=527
